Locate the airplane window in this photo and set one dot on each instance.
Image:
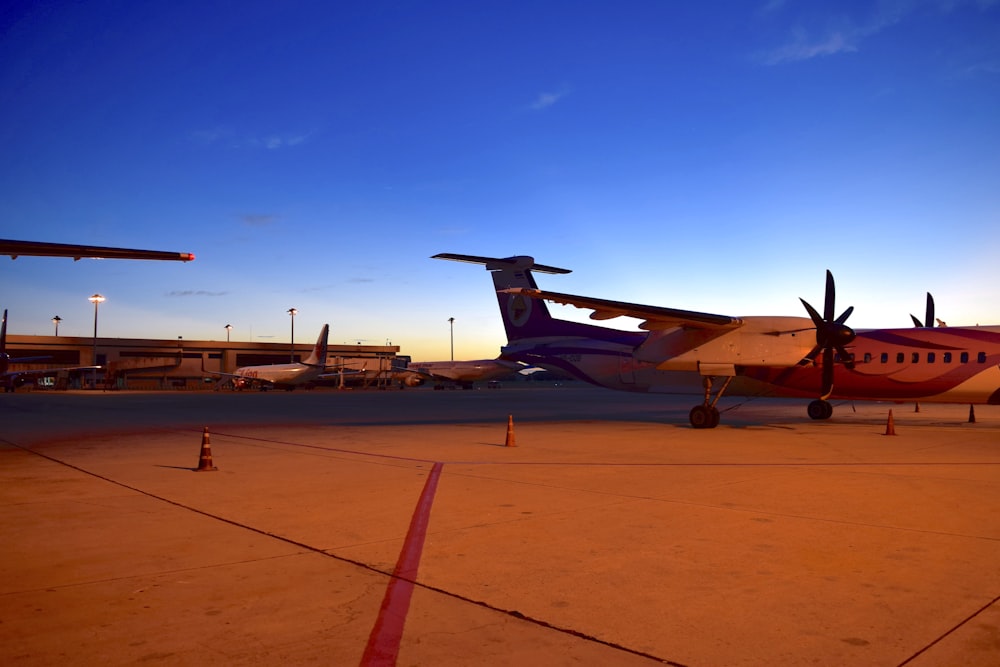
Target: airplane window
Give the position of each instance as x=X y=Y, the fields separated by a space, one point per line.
x=930 y=357
x=868 y=357
x=964 y=358
x=884 y=358
x=916 y=357
x=981 y=358
x=946 y=357
x=899 y=357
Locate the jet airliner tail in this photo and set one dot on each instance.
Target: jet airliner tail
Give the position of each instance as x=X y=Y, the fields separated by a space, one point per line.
x=318 y=355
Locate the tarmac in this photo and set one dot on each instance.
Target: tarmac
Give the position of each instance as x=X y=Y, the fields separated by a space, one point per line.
x=560 y=525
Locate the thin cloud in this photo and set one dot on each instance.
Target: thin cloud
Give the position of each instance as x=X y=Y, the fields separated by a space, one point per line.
x=804 y=48
x=278 y=141
x=259 y=220
x=545 y=100
x=848 y=34
x=200 y=292
x=231 y=139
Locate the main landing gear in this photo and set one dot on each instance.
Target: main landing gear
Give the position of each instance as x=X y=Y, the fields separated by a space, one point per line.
x=820 y=409
x=707 y=415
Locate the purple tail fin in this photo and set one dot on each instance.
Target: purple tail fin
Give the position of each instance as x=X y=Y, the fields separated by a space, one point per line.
x=3 y=343
x=524 y=317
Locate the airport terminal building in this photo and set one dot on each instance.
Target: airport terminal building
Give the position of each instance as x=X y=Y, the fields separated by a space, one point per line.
x=148 y=364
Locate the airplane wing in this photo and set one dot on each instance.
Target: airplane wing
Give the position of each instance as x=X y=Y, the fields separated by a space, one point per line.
x=339 y=373
x=50 y=371
x=654 y=317
x=38 y=249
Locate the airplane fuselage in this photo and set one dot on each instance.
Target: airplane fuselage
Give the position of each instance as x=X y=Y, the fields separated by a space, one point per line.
x=281 y=375
x=954 y=364
x=465 y=371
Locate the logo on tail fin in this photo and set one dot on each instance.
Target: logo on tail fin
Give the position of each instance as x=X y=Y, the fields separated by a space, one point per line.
x=518 y=310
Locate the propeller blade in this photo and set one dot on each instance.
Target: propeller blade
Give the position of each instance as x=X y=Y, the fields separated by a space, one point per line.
x=817 y=320
x=827 y=370
x=831 y=295
x=917 y=323
x=845 y=357
x=929 y=322
x=811 y=357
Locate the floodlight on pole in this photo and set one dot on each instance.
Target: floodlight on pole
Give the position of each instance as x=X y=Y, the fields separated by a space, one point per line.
x=451 y=322
x=228 y=328
x=96 y=299
x=56 y=320
x=293 y=313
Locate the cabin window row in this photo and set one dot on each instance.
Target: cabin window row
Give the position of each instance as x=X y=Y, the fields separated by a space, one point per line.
x=931 y=357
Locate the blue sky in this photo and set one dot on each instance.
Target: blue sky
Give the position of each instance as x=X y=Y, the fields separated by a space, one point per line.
x=715 y=156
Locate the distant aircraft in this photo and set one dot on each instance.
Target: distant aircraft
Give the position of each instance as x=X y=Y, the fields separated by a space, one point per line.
x=9 y=378
x=283 y=376
x=461 y=373
x=38 y=249
x=756 y=355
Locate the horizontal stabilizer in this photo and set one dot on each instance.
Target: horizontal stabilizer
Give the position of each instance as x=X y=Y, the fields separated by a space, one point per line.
x=498 y=264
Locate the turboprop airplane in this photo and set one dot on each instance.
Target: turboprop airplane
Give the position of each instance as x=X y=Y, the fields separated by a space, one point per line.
x=283 y=376
x=461 y=373
x=753 y=355
x=39 y=249
x=9 y=378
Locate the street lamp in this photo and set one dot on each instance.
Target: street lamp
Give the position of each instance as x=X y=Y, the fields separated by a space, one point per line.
x=229 y=327
x=56 y=320
x=451 y=321
x=293 y=312
x=96 y=299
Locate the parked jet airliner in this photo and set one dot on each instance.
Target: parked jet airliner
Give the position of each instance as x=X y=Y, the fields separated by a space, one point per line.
x=462 y=373
x=9 y=379
x=818 y=356
x=284 y=376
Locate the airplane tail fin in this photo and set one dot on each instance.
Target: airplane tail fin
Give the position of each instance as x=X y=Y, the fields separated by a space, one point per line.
x=523 y=317
x=318 y=355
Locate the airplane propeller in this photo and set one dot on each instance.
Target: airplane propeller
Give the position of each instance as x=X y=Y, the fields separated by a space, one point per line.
x=831 y=335
x=929 y=321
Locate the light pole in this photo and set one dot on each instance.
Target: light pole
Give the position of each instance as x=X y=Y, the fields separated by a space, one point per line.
x=293 y=312
x=56 y=320
x=229 y=327
x=96 y=299
x=451 y=322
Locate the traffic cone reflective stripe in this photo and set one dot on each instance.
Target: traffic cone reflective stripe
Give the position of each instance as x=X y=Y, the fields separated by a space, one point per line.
x=205 y=460
x=510 y=432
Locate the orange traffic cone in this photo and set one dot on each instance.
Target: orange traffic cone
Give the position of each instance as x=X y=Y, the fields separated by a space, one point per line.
x=916 y=406
x=510 y=432
x=205 y=461
x=972 y=415
x=890 y=427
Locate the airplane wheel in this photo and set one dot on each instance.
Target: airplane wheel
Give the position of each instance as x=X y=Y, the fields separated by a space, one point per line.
x=703 y=416
x=820 y=409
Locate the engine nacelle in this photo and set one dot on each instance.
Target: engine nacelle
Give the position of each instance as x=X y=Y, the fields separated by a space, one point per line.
x=413 y=380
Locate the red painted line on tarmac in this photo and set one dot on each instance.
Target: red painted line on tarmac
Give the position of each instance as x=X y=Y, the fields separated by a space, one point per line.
x=383 y=643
